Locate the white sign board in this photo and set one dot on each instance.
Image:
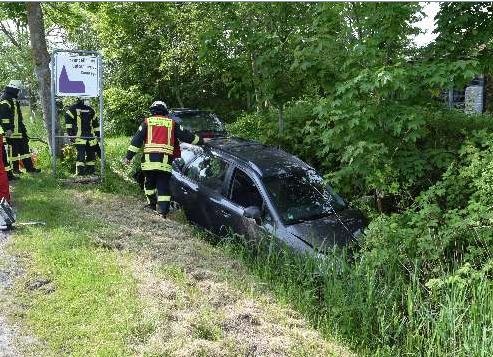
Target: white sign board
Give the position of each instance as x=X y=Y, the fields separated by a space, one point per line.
x=76 y=75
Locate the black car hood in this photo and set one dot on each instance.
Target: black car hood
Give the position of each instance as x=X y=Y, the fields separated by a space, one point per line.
x=336 y=229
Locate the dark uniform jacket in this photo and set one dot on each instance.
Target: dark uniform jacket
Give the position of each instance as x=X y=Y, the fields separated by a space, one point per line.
x=11 y=117
x=81 y=122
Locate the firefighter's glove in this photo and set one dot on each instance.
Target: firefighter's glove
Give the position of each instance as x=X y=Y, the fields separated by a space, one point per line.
x=125 y=161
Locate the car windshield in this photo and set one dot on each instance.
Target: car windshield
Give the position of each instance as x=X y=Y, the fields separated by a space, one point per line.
x=302 y=196
x=199 y=121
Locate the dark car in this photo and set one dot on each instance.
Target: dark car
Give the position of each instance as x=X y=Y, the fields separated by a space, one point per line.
x=201 y=122
x=243 y=186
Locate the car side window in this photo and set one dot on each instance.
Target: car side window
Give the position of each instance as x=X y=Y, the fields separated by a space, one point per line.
x=209 y=171
x=244 y=192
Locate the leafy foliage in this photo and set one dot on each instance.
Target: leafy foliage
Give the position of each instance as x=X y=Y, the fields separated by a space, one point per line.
x=342 y=86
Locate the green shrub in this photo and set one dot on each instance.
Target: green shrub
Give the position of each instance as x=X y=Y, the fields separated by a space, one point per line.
x=264 y=127
x=125 y=108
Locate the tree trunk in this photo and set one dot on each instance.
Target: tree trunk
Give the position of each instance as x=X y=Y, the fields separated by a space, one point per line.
x=281 y=120
x=281 y=124
x=42 y=65
x=255 y=81
x=179 y=98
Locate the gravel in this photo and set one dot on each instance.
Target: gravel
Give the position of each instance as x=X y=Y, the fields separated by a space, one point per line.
x=8 y=271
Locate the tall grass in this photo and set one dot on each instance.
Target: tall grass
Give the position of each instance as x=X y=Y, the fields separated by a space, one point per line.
x=378 y=312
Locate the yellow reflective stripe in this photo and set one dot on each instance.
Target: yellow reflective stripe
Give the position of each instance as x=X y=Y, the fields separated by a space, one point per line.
x=25 y=156
x=1 y=131
x=149 y=192
x=158 y=121
x=5 y=121
x=195 y=140
x=133 y=148
x=16 y=136
x=69 y=113
x=163 y=198
x=97 y=130
x=5 y=101
x=160 y=166
x=80 y=163
x=149 y=133
x=16 y=122
x=90 y=163
x=159 y=150
x=79 y=123
x=93 y=142
x=68 y=126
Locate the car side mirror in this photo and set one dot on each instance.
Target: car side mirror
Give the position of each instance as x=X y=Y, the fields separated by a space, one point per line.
x=178 y=164
x=253 y=212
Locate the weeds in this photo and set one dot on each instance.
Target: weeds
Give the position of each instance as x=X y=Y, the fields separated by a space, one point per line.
x=374 y=310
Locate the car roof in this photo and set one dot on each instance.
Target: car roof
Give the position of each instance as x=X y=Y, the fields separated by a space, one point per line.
x=187 y=110
x=265 y=160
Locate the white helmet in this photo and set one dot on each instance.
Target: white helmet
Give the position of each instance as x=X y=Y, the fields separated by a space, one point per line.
x=158 y=104
x=16 y=84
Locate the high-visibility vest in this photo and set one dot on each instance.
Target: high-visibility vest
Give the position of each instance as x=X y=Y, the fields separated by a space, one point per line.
x=160 y=135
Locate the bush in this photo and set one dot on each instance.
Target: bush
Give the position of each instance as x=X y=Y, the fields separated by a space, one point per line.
x=125 y=108
x=263 y=126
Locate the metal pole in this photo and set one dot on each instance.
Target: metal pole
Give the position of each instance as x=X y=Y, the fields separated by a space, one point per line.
x=101 y=131
x=53 y=114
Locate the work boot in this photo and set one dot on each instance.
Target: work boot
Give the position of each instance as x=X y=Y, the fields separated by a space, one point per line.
x=15 y=168
x=90 y=170
x=150 y=207
x=28 y=164
x=80 y=171
x=11 y=176
x=163 y=211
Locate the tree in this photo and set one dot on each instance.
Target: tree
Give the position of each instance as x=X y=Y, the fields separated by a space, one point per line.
x=42 y=64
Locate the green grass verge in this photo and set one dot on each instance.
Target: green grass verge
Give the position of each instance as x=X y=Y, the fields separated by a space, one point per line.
x=92 y=306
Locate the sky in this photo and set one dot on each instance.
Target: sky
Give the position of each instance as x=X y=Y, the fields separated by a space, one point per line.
x=427 y=24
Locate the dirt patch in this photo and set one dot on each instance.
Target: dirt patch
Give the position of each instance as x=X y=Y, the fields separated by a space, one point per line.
x=192 y=304
x=14 y=339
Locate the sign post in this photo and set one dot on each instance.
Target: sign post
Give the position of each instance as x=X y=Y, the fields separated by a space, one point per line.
x=76 y=74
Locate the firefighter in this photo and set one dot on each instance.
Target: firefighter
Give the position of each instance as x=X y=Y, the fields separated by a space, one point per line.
x=82 y=125
x=14 y=128
x=4 y=180
x=158 y=134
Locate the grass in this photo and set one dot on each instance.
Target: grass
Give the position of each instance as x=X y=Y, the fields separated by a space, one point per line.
x=378 y=313
x=95 y=302
x=103 y=278
x=375 y=314
x=92 y=306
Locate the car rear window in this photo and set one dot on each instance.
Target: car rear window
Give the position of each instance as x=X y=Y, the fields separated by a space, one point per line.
x=199 y=121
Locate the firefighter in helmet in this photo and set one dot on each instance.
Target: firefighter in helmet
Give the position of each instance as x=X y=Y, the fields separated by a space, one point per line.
x=81 y=124
x=14 y=128
x=157 y=135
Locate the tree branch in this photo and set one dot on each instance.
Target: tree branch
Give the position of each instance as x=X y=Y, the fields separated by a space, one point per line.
x=9 y=35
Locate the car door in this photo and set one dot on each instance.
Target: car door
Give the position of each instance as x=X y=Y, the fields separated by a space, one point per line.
x=243 y=192
x=203 y=189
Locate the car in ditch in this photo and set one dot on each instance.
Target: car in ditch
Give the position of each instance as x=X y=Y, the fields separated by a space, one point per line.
x=201 y=122
x=254 y=190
